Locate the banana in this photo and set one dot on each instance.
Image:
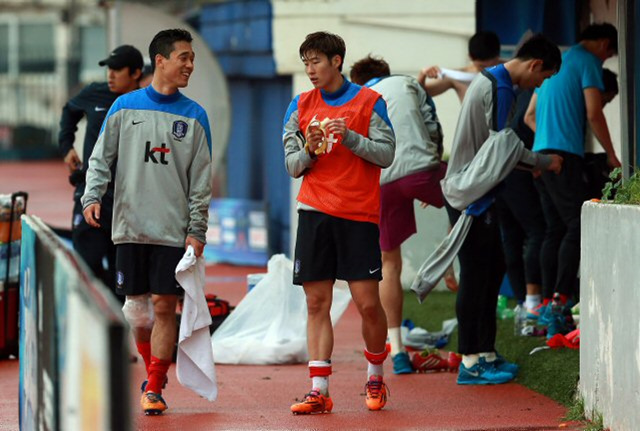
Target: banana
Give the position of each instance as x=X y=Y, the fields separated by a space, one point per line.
x=316 y=124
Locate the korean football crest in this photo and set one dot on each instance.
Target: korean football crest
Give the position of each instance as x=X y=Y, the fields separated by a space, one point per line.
x=179 y=129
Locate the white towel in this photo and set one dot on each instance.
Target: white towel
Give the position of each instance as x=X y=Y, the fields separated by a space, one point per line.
x=195 y=367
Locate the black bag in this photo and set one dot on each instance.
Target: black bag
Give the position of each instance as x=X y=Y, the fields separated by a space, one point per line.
x=596 y=174
x=219 y=310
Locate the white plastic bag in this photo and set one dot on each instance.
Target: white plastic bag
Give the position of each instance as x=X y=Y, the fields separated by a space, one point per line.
x=269 y=325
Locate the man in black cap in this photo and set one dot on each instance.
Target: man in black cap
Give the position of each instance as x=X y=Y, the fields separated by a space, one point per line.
x=124 y=69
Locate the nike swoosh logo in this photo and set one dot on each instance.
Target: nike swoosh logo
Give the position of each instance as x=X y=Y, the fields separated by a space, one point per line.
x=473 y=373
x=374 y=271
x=99 y=109
x=137 y=122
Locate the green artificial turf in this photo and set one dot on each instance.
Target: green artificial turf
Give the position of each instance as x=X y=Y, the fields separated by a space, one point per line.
x=551 y=372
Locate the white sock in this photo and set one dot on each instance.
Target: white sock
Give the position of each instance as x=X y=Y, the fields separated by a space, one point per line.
x=321 y=383
x=374 y=370
x=488 y=356
x=395 y=339
x=532 y=301
x=470 y=360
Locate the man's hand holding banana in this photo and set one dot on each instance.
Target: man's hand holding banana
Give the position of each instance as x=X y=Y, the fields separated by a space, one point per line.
x=317 y=131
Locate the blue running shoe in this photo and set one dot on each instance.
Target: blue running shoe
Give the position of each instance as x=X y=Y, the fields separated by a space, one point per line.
x=482 y=373
x=559 y=325
x=546 y=315
x=402 y=363
x=502 y=364
x=555 y=320
x=552 y=311
x=535 y=313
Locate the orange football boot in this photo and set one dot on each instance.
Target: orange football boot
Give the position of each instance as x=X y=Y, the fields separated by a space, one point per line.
x=313 y=402
x=376 y=392
x=153 y=404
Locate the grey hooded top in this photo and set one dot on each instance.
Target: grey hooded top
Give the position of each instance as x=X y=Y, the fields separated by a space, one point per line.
x=472 y=173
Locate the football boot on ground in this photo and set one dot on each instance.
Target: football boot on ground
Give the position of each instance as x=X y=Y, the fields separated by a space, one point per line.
x=313 y=402
x=376 y=393
x=153 y=404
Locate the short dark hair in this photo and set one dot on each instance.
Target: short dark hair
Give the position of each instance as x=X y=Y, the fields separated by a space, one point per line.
x=368 y=68
x=610 y=81
x=162 y=43
x=484 y=45
x=601 y=31
x=539 y=47
x=326 y=43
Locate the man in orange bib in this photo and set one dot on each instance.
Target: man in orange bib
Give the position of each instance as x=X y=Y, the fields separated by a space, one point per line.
x=337 y=137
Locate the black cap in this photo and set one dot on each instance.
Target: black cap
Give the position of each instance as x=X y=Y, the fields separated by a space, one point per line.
x=123 y=56
x=147 y=70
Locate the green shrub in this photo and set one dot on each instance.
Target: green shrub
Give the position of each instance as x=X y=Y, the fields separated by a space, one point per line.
x=620 y=191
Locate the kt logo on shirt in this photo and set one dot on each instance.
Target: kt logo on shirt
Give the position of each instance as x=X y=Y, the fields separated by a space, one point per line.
x=150 y=153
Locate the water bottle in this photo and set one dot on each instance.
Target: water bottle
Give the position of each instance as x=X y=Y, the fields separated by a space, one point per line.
x=502 y=305
x=519 y=320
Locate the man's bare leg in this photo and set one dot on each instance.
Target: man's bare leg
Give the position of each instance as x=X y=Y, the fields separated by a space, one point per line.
x=319 y=329
x=163 y=338
x=391 y=296
x=374 y=322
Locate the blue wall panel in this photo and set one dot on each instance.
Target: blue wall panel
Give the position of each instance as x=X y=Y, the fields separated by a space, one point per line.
x=235 y=10
x=509 y=19
x=238 y=156
x=261 y=66
x=255 y=157
x=272 y=102
x=239 y=33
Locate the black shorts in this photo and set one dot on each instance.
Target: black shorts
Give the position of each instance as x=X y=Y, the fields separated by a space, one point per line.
x=147 y=268
x=330 y=248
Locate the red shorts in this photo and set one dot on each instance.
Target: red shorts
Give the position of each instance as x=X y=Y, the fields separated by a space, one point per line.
x=397 y=216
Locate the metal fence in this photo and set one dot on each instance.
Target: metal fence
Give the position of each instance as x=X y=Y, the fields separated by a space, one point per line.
x=29 y=111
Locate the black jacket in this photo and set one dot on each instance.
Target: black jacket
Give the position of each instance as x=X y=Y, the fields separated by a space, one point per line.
x=93 y=102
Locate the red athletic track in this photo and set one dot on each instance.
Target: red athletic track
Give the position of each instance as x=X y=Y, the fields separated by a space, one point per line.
x=258 y=397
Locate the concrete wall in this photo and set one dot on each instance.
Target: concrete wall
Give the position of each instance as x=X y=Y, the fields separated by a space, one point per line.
x=418 y=34
x=609 y=323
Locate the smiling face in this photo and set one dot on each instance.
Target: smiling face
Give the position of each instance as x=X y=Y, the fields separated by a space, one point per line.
x=323 y=72
x=177 y=69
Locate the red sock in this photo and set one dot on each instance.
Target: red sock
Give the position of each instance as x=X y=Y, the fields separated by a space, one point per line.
x=157 y=374
x=563 y=299
x=318 y=370
x=145 y=351
x=546 y=301
x=376 y=358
